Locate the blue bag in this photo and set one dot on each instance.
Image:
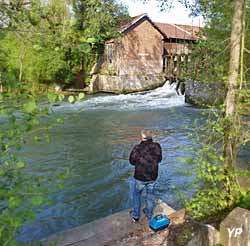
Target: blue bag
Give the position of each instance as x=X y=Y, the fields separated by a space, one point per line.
x=159 y=222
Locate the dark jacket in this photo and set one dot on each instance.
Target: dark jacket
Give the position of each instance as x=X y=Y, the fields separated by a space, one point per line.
x=145 y=157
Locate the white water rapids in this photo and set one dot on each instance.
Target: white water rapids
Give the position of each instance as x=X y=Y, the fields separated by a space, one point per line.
x=162 y=97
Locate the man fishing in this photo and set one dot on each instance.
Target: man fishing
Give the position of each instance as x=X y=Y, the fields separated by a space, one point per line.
x=145 y=157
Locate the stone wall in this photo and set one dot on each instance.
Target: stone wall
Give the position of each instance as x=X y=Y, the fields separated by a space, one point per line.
x=125 y=83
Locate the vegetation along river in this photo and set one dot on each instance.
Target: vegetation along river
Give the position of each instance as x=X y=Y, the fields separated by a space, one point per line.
x=96 y=145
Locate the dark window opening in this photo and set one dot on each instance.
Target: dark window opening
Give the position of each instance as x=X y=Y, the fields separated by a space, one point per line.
x=110 y=53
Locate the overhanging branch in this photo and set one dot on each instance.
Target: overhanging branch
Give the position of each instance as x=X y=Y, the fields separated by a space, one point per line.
x=248 y=51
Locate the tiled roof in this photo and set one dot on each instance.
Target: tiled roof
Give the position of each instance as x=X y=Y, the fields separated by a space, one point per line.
x=194 y=30
x=167 y=30
x=178 y=31
x=125 y=25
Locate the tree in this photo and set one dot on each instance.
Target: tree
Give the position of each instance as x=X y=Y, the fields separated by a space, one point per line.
x=95 y=22
x=230 y=103
x=68 y=35
x=222 y=57
x=224 y=31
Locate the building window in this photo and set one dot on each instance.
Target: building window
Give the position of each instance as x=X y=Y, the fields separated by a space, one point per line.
x=110 y=53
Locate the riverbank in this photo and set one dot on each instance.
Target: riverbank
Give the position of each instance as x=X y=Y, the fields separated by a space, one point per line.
x=119 y=230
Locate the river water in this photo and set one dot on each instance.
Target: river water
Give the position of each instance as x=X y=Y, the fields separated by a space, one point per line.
x=96 y=144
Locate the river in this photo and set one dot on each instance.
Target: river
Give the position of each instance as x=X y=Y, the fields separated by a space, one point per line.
x=95 y=145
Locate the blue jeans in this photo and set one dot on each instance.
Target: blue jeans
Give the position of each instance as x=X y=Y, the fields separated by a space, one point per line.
x=137 y=188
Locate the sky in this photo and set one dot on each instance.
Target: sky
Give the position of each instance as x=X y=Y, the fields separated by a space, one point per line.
x=177 y=15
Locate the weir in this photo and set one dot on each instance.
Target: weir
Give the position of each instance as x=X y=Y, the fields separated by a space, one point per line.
x=162 y=97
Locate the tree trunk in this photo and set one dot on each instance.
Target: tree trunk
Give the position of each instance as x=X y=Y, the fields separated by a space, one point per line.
x=1 y=84
x=21 y=71
x=236 y=34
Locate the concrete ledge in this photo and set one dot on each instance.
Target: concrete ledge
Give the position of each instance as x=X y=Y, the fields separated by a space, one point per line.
x=105 y=230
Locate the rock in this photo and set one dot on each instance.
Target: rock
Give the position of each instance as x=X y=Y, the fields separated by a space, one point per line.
x=92 y=88
x=204 y=94
x=58 y=88
x=162 y=208
x=159 y=238
x=177 y=217
x=235 y=228
x=143 y=238
x=205 y=235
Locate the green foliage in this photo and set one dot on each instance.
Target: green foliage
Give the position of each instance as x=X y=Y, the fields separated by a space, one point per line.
x=81 y=96
x=22 y=121
x=243 y=200
x=71 y=99
x=216 y=189
x=42 y=42
x=211 y=54
x=52 y=97
x=97 y=19
x=30 y=106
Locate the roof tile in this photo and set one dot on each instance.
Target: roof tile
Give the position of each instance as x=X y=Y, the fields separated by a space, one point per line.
x=176 y=31
x=169 y=30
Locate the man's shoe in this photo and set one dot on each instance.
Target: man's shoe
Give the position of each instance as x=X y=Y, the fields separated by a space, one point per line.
x=135 y=219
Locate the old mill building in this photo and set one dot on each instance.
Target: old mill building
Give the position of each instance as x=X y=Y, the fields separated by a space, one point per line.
x=143 y=56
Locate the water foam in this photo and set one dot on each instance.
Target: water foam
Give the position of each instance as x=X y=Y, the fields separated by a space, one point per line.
x=162 y=97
